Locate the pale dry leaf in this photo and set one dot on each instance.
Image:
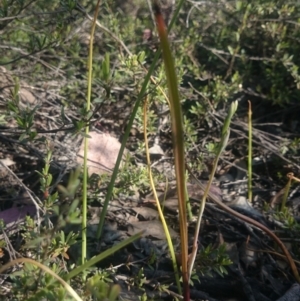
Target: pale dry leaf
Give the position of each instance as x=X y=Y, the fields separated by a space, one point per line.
x=146 y=212
x=103 y=151
x=7 y=162
x=151 y=228
x=156 y=150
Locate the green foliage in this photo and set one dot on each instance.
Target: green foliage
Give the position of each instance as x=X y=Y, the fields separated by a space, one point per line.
x=253 y=49
x=100 y=290
x=288 y=221
x=36 y=285
x=140 y=279
x=291 y=226
x=212 y=259
x=60 y=244
x=133 y=178
x=24 y=117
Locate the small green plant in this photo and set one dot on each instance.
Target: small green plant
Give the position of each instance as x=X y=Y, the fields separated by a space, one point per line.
x=46 y=179
x=61 y=244
x=288 y=220
x=34 y=284
x=140 y=279
x=100 y=290
x=24 y=117
x=212 y=259
x=132 y=179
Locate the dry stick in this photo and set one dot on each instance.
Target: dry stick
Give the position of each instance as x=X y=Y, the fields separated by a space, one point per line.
x=217 y=200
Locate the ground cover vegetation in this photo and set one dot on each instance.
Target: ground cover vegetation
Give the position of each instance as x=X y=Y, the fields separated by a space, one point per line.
x=228 y=55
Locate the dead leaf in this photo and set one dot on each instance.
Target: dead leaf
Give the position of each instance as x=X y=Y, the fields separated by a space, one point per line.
x=156 y=150
x=7 y=162
x=146 y=212
x=17 y=214
x=151 y=228
x=103 y=151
